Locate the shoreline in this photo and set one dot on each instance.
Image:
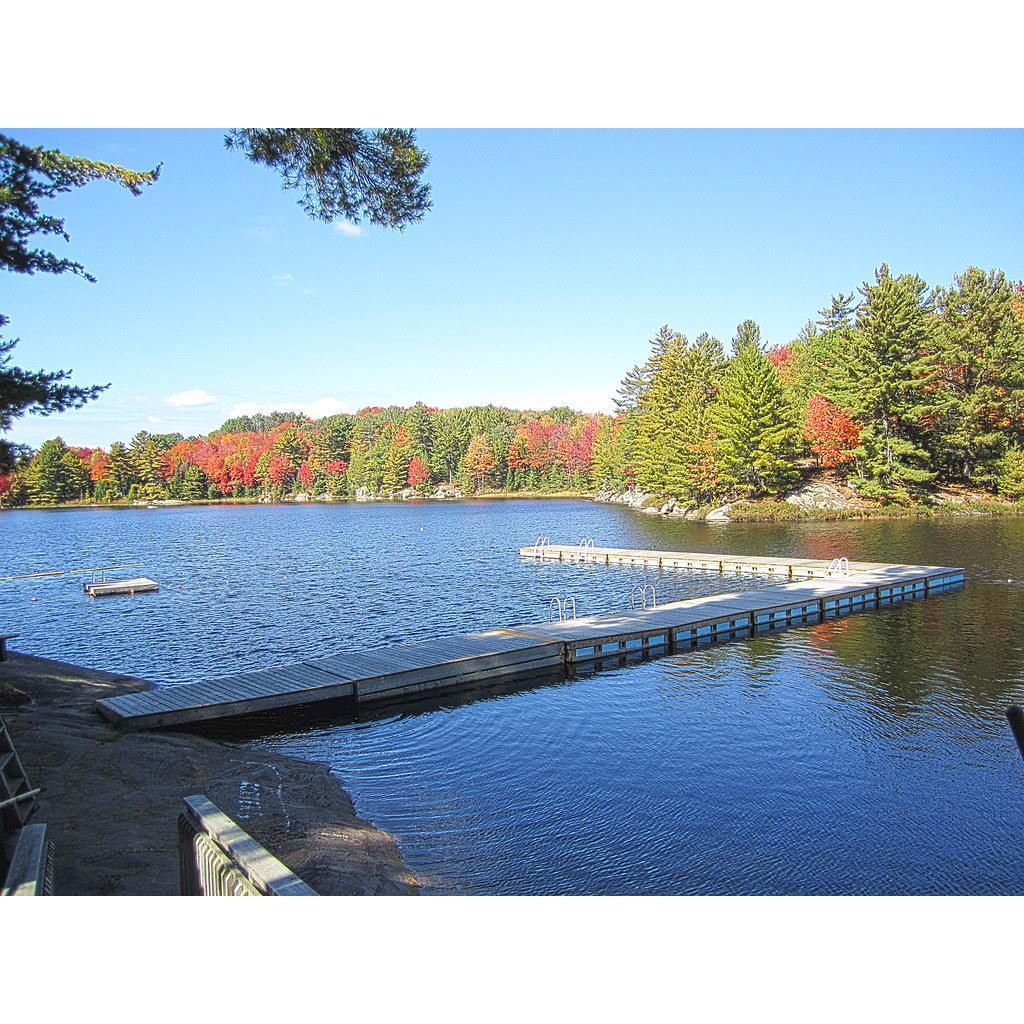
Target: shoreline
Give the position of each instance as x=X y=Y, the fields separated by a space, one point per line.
x=111 y=800
x=765 y=511
x=417 y=500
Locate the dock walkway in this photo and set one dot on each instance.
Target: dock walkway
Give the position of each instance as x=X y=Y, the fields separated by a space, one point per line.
x=405 y=671
x=759 y=565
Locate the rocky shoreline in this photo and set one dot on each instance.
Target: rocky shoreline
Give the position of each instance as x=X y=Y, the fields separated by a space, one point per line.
x=811 y=496
x=111 y=799
x=813 y=500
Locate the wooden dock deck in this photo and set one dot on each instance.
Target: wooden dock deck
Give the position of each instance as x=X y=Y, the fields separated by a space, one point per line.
x=535 y=650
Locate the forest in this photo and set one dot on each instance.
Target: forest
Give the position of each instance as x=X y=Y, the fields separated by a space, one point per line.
x=892 y=390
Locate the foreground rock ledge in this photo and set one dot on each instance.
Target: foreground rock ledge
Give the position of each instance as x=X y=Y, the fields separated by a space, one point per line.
x=111 y=800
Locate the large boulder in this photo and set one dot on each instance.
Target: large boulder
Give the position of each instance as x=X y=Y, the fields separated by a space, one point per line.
x=818 y=494
x=447 y=491
x=719 y=515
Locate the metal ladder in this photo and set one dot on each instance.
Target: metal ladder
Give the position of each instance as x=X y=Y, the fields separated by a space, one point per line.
x=558 y=608
x=640 y=592
x=584 y=549
x=838 y=567
x=17 y=797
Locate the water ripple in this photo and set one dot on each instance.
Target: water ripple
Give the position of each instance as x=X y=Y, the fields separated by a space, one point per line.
x=863 y=755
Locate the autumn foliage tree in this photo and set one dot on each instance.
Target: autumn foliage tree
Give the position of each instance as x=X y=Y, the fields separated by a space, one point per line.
x=419 y=474
x=477 y=463
x=831 y=432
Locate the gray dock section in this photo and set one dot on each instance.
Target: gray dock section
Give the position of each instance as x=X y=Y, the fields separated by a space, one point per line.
x=682 y=625
x=139 y=585
x=405 y=671
x=760 y=565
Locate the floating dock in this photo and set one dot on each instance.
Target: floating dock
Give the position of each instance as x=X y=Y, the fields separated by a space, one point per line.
x=815 y=591
x=758 y=565
x=139 y=585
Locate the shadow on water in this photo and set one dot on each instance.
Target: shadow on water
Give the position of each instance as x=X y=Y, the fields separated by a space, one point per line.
x=338 y=713
x=329 y=714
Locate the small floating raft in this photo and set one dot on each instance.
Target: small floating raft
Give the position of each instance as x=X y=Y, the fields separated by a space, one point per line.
x=139 y=585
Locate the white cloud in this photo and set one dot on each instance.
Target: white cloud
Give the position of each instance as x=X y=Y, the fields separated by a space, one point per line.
x=309 y=291
x=316 y=409
x=324 y=407
x=154 y=419
x=283 y=280
x=349 y=230
x=249 y=408
x=191 y=398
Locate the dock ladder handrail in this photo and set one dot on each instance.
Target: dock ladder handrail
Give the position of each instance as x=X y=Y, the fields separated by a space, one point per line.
x=558 y=608
x=543 y=541
x=838 y=566
x=584 y=549
x=640 y=590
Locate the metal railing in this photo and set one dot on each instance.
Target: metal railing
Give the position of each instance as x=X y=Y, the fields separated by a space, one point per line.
x=218 y=858
x=639 y=593
x=559 y=608
x=584 y=549
x=838 y=566
x=30 y=872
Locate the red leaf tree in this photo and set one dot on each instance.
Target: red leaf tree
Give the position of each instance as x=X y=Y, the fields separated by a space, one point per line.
x=418 y=472
x=831 y=432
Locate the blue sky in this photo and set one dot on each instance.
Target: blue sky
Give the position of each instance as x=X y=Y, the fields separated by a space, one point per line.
x=548 y=260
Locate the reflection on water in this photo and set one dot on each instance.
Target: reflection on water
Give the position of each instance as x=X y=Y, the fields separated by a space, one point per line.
x=866 y=754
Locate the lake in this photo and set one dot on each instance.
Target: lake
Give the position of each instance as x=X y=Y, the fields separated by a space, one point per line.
x=862 y=755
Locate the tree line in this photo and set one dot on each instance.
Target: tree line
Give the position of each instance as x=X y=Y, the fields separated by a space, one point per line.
x=378 y=452
x=892 y=390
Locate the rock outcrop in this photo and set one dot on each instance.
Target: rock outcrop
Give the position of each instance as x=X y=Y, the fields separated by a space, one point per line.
x=820 y=495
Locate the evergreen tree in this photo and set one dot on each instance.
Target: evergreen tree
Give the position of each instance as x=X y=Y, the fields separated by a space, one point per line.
x=1011 y=474
x=30 y=175
x=692 y=469
x=330 y=442
x=396 y=455
x=757 y=435
x=451 y=438
x=193 y=486
x=631 y=389
x=884 y=388
x=658 y=441
x=122 y=472
x=147 y=458
x=748 y=334
x=663 y=340
x=976 y=374
x=808 y=332
x=345 y=173
x=838 y=314
x=56 y=474
x=421 y=432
